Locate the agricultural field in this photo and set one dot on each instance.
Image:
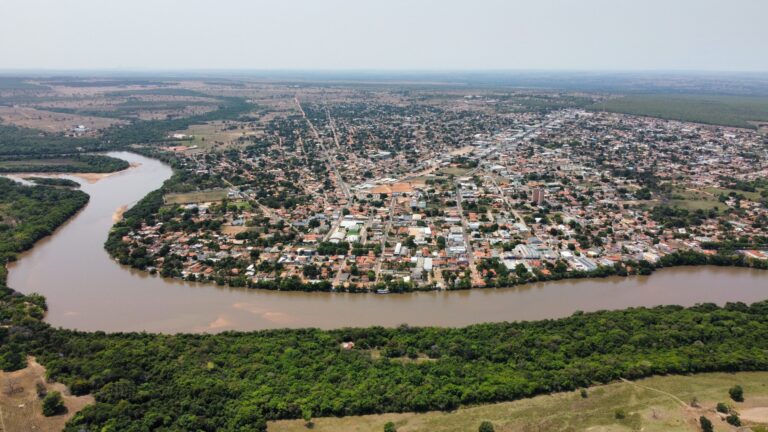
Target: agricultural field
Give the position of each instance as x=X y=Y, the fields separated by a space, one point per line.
x=653 y=404
x=736 y=111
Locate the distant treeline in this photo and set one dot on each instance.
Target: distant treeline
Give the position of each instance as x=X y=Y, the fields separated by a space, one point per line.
x=736 y=111
x=78 y=163
x=15 y=141
x=18 y=141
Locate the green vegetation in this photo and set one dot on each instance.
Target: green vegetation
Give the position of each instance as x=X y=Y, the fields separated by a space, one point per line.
x=28 y=213
x=736 y=393
x=733 y=420
x=16 y=141
x=486 y=426
x=69 y=164
x=53 y=404
x=53 y=181
x=196 y=197
x=153 y=131
x=737 y=111
x=706 y=424
x=722 y=407
x=233 y=380
x=236 y=381
x=651 y=405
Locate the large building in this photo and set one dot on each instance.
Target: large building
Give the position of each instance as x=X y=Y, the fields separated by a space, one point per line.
x=538 y=196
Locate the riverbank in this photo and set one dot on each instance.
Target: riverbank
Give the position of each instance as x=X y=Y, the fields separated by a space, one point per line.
x=241 y=379
x=100 y=294
x=150 y=206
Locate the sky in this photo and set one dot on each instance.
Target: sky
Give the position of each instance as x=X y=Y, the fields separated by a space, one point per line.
x=690 y=35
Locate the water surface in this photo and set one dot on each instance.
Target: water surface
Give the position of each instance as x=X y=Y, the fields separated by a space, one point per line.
x=87 y=290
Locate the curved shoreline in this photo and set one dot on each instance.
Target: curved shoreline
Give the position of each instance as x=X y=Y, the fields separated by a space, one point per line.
x=88 y=290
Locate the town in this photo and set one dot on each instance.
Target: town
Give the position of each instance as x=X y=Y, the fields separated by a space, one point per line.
x=387 y=191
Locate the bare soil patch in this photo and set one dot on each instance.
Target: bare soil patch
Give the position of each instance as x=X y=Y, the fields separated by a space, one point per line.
x=50 y=121
x=21 y=408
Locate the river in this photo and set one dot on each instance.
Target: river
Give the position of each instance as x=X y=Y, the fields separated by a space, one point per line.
x=87 y=290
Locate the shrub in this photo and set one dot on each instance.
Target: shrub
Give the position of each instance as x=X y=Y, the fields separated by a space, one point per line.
x=733 y=419
x=486 y=426
x=737 y=393
x=706 y=425
x=390 y=427
x=41 y=390
x=722 y=407
x=53 y=404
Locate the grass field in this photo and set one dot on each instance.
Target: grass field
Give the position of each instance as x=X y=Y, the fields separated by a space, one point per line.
x=455 y=171
x=695 y=199
x=214 y=134
x=753 y=196
x=196 y=197
x=737 y=111
x=650 y=405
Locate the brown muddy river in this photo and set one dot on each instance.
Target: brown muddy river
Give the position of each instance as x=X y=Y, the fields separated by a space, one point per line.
x=87 y=290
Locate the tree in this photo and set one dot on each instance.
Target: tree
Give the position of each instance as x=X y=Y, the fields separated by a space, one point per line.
x=390 y=427
x=722 y=407
x=486 y=426
x=737 y=393
x=306 y=414
x=12 y=359
x=53 y=404
x=733 y=420
x=706 y=425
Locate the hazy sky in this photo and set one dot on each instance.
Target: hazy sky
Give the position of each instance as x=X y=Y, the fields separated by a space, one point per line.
x=729 y=35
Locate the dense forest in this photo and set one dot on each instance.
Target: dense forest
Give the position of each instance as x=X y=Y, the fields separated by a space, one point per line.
x=53 y=181
x=235 y=381
x=28 y=213
x=16 y=141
